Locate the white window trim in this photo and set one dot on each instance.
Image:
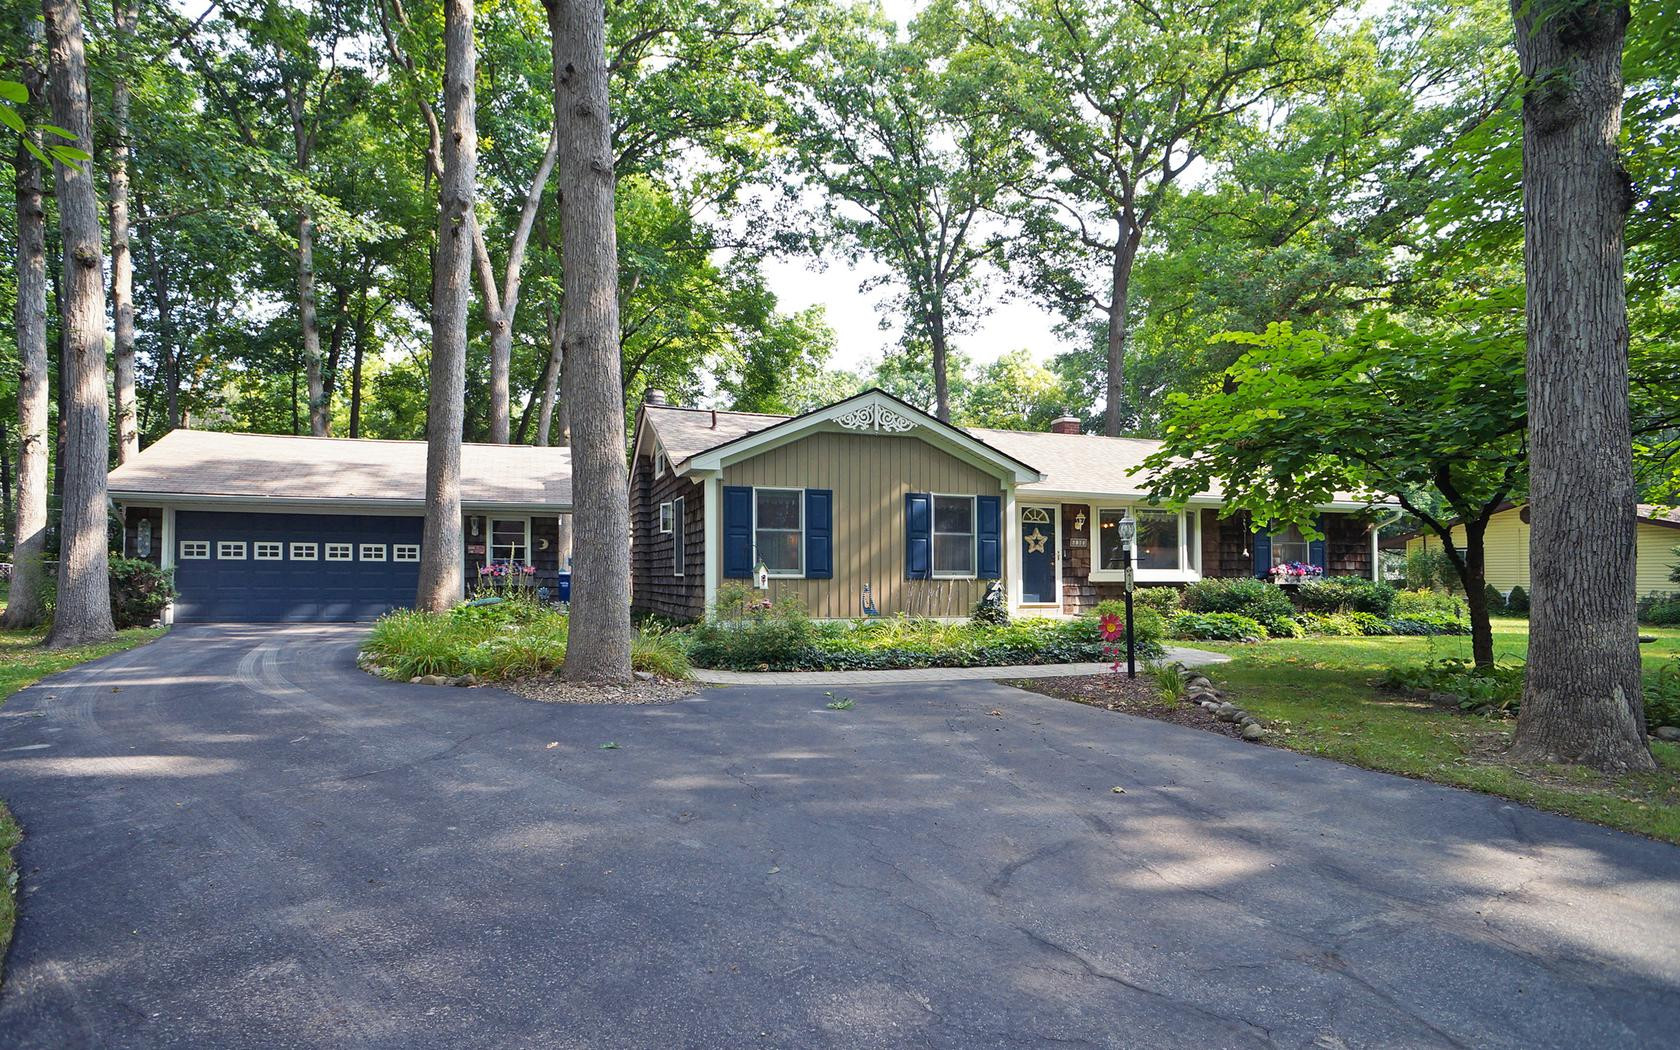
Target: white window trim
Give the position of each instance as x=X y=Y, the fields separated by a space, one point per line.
x=665 y=514
x=661 y=463
x=227 y=545
x=1055 y=510
x=1186 y=559
x=780 y=574
x=973 y=536
x=257 y=550
x=348 y=555
x=296 y=551
x=679 y=542
x=406 y=552
x=490 y=537
x=195 y=550
x=379 y=552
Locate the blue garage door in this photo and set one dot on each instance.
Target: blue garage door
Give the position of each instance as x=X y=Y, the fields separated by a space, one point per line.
x=266 y=568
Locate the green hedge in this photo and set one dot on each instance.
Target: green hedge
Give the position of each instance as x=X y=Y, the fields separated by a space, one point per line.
x=1344 y=594
x=1258 y=600
x=1217 y=627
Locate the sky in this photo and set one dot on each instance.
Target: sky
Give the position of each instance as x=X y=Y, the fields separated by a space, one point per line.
x=1014 y=323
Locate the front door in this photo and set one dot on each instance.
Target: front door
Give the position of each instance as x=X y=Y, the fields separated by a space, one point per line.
x=1038 y=556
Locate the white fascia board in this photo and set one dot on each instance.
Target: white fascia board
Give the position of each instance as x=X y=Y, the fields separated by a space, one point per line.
x=299 y=504
x=1203 y=502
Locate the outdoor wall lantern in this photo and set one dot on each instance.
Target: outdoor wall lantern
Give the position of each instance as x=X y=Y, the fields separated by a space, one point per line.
x=1079 y=522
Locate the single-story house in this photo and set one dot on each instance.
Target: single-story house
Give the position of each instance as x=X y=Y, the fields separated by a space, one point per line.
x=1656 y=534
x=869 y=504
x=266 y=528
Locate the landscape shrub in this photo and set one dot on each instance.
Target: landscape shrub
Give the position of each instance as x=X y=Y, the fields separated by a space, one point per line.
x=1499 y=686
x=1662 y=695
x=1342 y=625
x=1494 y=599
x=1257 y=600
x=1164 y=600
x=1660 y=610
x=140 y=591
x=747 y=632
x=1340 y=594
x=1517 y=601
x=1149 y=625
x=1428 y=624
x=1216 y=627
x=512 y=638
x=1411 y=603
x=1428 y=568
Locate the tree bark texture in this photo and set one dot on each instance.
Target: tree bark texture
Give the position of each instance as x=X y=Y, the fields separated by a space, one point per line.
x=24 y=608
x=598 y=644
x=551 y=379
x=441 y=553
x=1115 y=416
x=168 y=353
x=83 y=610
x=125 y=14
x=1582 y=697
x=941 y=354
x=308 y=318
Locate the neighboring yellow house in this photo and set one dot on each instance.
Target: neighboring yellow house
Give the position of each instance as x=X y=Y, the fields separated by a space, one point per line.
x=1507 y=548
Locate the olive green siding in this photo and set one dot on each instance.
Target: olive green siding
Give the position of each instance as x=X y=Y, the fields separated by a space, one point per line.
x=1506 y=547
x=869 y=475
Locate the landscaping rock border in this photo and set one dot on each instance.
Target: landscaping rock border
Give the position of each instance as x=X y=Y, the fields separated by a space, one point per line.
x=1200 y=690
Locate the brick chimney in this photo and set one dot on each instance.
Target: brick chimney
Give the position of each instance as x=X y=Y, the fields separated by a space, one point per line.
x=1064 y=425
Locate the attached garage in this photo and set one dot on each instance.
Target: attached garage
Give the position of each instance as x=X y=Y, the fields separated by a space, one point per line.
x=278 y=529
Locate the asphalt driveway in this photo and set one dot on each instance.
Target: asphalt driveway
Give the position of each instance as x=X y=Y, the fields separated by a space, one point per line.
x=236 y=839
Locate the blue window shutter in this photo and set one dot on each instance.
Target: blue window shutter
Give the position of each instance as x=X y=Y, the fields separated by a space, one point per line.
x=988 y=534
x=1262 y=553
x=737 y=531
x=819 y=534
x=1315 y=549
x=918 y=536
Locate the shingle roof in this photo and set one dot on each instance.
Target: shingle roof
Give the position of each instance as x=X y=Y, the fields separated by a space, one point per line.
x=1072 y=463
x=1079 y=462
x=684 y=432
x=209 y=463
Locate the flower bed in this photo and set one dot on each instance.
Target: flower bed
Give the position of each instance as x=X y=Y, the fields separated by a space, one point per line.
x=749 y=635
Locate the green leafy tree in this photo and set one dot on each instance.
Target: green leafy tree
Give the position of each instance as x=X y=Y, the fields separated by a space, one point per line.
x=1382 y=410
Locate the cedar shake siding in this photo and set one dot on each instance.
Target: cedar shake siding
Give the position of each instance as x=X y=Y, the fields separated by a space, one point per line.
x=869 y=475
x=654 y=587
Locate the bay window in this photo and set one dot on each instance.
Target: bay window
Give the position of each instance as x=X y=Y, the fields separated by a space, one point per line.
x=1158 y=539
x=953 y=536
x=779 y=530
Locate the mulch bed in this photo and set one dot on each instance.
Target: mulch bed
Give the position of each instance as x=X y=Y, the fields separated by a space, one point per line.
x=552 y=690
x=1134 y=696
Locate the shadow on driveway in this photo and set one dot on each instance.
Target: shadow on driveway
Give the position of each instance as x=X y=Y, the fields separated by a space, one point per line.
x=237 y=839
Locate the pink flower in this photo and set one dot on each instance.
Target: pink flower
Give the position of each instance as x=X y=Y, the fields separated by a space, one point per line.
x=1112 y=627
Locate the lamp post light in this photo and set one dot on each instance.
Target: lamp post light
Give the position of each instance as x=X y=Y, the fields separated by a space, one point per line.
x=1128 y=532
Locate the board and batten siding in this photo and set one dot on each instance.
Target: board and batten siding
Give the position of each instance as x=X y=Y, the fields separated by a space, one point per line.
x=1507 y=552
x=869 y=475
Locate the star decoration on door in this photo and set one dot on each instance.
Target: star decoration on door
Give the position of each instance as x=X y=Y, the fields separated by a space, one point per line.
x=1035 y=542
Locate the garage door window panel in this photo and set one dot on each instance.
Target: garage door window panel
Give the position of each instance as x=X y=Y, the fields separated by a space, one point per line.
x=340 y=552
x=405 y=552
x=373 y=552
x=268 y=550
x=306 y=552
x=230 y=550
x=195 y=550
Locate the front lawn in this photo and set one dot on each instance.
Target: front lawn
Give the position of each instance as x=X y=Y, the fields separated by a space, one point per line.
x=22 y=663
x=1320 y=696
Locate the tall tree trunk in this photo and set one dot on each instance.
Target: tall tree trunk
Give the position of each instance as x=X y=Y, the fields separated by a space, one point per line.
x=1582 y=696
x=941 y=380
x=551 y=376
x=169 y=358
x=357 y=350
x=5 y=486
x=24 y=607
x=125 y=14
x=598 y=644
x=83 y=610
x=1115 y=417
x=308 y=320
x=1473 y=574
x=441 y=553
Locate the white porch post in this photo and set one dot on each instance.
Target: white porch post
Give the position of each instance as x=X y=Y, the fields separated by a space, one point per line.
x=1011 y=553
x=1376 y=552
x=713 y=513
x=168 y=559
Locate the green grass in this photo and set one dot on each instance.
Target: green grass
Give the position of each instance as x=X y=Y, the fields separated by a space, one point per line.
x=515 y=639
x=23 y=663
x=1320 y=696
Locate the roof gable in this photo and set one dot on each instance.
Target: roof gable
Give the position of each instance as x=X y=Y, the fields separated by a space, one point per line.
x=873 y=411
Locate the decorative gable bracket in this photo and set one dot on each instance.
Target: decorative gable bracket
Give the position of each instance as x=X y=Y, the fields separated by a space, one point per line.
x=874 y=417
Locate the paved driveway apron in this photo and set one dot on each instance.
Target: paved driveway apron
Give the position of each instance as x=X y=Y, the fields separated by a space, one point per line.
x=235 y=839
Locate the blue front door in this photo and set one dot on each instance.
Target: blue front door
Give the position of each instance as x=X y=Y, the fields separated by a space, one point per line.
x=1038 y=556
x=245 y=567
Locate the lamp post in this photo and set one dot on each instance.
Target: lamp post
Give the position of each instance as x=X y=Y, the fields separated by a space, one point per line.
x=1128 y=531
